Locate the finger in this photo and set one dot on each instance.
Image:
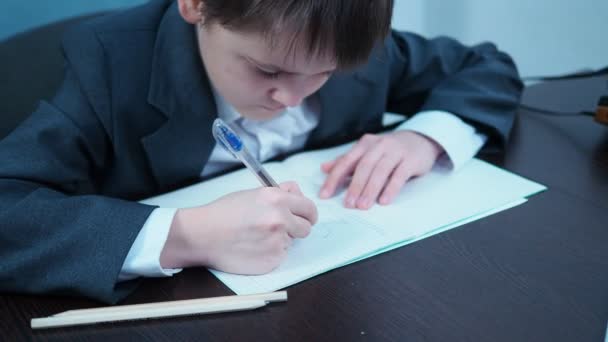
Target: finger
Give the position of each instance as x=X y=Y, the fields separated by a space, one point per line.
x=291 y=187
x=301 y=206
x=400 y=176
x=377 y=181
x=361 y=176
x=298 y=227
x=287 y=241
x=327 y=166
x=343 y=168
x=335 y=179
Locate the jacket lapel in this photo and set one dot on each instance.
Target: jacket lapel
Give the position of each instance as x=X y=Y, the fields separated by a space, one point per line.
x=179 y=88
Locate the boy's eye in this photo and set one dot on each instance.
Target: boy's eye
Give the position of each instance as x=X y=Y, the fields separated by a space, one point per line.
x=268 y=74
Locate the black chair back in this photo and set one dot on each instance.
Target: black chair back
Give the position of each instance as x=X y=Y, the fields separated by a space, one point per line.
x=31 y=69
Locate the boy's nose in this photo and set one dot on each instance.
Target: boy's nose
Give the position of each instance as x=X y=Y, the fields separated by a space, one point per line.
x=287 y=98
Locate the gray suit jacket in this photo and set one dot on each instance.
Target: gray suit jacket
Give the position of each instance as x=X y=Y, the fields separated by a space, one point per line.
x=132 y=119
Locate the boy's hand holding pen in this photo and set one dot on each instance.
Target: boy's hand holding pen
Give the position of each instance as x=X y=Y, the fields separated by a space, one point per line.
x=245 y=232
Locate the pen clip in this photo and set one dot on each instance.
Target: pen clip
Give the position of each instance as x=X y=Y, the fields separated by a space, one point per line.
x=226 y=137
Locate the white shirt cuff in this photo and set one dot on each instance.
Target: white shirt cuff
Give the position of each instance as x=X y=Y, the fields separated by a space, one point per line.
x=144 y=256
x=459 y=140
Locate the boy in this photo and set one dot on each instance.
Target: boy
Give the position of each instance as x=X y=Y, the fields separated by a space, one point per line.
x=133 y=117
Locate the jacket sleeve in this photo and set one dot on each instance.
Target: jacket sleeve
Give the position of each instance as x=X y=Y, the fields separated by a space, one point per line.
x=58 y=234
x=479 y=84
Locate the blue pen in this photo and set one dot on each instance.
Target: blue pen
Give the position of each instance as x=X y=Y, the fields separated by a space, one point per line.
x=228 y=139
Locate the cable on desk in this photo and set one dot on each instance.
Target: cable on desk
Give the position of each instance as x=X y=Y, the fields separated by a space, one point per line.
x=544 y=111
x=580 y=74
x=601 y=113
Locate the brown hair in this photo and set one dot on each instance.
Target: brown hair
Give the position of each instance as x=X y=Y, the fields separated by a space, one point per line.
x=344 y=30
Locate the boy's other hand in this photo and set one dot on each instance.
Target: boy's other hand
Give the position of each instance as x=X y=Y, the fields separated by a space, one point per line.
x=245 y=232
x=379 y=166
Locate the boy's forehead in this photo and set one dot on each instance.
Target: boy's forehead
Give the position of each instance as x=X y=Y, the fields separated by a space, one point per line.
x=284 y=50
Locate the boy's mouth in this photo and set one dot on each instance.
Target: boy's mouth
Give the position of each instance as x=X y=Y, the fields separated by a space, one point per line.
x=275 y=108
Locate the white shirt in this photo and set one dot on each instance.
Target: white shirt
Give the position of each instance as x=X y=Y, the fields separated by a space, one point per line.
x=284 y=133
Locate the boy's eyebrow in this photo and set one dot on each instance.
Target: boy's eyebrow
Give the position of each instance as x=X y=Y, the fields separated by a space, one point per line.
x=276 y=68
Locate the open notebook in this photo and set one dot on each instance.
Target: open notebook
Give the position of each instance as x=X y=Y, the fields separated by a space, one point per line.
x=428 y=205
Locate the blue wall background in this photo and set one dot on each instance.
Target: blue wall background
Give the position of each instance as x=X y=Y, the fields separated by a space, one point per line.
x=543 y=36
x=20 y=15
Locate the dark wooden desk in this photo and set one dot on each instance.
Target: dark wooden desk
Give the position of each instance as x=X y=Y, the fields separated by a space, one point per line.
x=537 y=272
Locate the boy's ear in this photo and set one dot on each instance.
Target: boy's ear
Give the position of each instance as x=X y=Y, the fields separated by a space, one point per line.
x=190 y=10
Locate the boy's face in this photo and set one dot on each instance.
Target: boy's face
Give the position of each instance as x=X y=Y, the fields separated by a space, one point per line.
x=258 y=79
